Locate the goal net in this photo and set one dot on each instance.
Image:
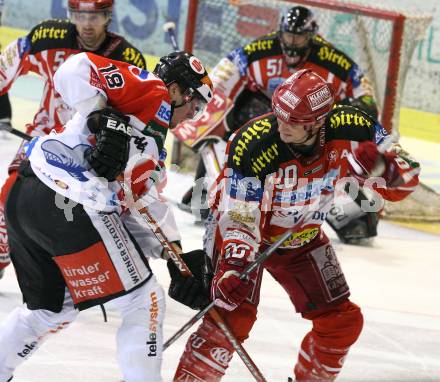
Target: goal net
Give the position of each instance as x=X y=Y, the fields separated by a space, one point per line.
x=380 y=40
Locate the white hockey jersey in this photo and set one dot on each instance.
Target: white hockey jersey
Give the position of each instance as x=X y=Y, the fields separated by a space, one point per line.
x=87 y=82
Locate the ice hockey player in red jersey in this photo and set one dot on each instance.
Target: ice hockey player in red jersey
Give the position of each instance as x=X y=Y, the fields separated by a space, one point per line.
x=282 y=172
x=42 y=51
x=248 y=76
x=76 y=237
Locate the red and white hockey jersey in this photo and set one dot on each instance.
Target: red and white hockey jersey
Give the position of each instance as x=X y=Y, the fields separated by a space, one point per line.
x=58 y=158
x=42 y=51
x=260 y=65
x=267 y=187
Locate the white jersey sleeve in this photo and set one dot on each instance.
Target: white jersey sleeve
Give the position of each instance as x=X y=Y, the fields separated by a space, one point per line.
x=73 y=81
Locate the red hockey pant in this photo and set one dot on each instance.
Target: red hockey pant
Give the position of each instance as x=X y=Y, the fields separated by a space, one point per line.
x=316 y=286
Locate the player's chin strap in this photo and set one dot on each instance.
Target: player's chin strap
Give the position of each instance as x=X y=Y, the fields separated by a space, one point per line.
x=174 y=253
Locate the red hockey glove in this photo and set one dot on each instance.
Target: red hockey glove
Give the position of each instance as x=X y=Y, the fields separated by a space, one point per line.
x=227 y=290
x=367 y=161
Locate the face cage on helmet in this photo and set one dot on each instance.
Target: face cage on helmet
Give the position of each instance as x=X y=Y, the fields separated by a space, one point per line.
x=293 y=51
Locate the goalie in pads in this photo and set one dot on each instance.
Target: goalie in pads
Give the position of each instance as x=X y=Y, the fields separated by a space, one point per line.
x=244 y=81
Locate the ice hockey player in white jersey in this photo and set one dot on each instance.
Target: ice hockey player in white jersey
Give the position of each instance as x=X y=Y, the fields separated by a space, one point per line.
x=76 y=240
x=47 y=45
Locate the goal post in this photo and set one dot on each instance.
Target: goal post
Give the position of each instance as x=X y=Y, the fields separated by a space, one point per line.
x=381 y=41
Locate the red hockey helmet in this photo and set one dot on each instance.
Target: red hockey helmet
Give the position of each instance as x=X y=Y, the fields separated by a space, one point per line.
x=90 y=5
x=304 y=98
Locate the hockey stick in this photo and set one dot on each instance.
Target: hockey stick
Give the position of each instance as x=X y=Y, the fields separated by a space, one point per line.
x=7 y=127
x=174 y=254
x=251 y=267
x=211 y=160
x=170 y=28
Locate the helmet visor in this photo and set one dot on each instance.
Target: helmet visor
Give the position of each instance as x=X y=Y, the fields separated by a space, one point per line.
x=98 y=18
x=198 y=107
x=197 y=104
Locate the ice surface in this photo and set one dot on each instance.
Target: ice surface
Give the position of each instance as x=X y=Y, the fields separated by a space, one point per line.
x=395 y=281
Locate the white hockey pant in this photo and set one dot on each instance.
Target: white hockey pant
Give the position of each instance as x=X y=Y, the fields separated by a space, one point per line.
x=139 y=338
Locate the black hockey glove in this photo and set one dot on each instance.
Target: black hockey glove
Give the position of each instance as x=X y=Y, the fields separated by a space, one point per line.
x=109 y=156
x=192 y=291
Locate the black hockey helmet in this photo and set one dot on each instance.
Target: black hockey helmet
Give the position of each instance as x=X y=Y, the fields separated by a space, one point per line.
x=188 y=72
x=297 y=28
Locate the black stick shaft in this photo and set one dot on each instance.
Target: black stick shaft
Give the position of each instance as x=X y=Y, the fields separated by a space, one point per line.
x=7 y=127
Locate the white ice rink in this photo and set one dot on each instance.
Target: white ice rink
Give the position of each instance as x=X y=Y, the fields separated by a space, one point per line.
x=395 y=281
